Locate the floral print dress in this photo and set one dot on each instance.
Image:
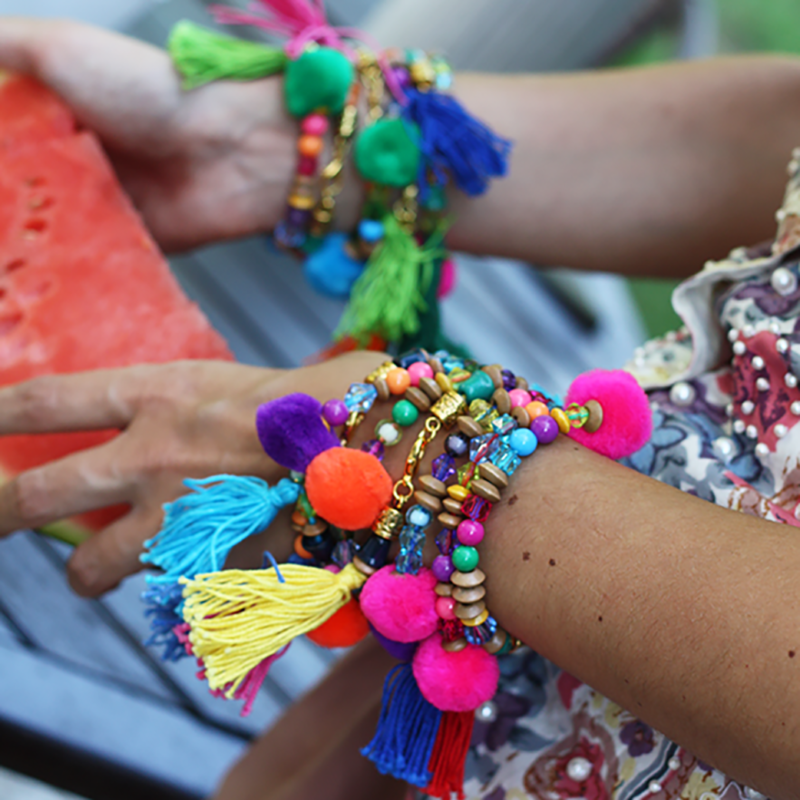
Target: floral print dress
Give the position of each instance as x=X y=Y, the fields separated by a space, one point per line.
x=726 y=408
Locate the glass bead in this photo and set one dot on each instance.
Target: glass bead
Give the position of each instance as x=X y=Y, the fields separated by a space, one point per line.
x=465 y=474
x=476 y=508
x=480 y=634
x=288 y=237
x=419 y=516
x=456 y=445
x=482 y=447
x=459 y=375
x=343 y=552
x=506 y=459
x=375 y=551
x=465 y=558
x=545 y=429
x=444 y=541
x=412 y=540
x=449 y=362
x=407 y=359
x=524 y=441
x=360 y=397
x=374 y=447
x=483 y=413
x=478 y=385
x=451 y=629
x=388 y=432
x=442 y=568
x=405 y=413
x=443 y=467
x=504 y=425
x=335 y=412
x=509 y=380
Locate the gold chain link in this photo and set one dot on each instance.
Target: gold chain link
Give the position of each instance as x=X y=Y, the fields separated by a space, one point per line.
x=372 y=77
x=404 y=488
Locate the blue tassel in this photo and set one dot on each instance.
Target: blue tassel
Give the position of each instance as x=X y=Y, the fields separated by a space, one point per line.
x=454 y=142
x=407 y=729
x=163 y=606
x=200 y=528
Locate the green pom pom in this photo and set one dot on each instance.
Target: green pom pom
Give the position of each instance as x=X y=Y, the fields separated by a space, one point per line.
x=388 y=152
x=318 y=81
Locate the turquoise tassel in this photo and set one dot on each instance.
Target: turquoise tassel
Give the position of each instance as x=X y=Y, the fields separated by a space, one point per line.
x=200 y=528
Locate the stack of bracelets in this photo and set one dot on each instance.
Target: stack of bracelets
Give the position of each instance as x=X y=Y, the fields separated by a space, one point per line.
x=409 y=140
x=340 y=584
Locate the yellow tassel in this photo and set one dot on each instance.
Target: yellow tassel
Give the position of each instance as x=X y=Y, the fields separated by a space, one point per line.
x=239 y=617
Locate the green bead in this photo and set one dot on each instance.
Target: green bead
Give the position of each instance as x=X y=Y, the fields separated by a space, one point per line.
x=479 y=386
x=465 y=558
x=317 y=81
x=436 y=200
x=508 y=644
x=387 y=152
x=404 y=413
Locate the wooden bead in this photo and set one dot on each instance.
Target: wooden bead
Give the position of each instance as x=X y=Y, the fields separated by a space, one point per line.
x=522 y=384
x=488 y=491
x=418 y=398
x=315 y=529
x=449 y=520
x=433 y=504
x=455 y=645
x=595 y=416
x=467 y=596
x=466 y=580
x=496 y=643
x=471 y=610
x=458 y=492
x=443 y=589
x=433 y=485
x=435 y=365
x=522 y=417
x=430 y=387
x=453 y=506
x=502 y=401
x=382 y=388
x=364 y=569
x=496 y=374
x=493 y=474
x=469 y=427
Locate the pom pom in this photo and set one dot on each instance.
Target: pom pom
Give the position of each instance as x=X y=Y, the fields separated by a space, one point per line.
x=402 y=651
x=348 y=488
x=627 y=418
x=402 y=607
x=458 y=681
x=348 y=626
x=331 y=270
x=292 y=432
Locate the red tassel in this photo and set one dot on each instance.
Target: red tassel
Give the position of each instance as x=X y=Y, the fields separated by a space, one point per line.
x=449 y=755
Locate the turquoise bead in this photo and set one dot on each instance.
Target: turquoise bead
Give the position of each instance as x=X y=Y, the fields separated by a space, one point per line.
x=405 y=413
x=478 y=386
x=465 y=558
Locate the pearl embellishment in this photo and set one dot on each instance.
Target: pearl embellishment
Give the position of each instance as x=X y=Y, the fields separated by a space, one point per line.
x=654 y=787
x=762 y=450
x=748 y=407
x=790 y=379
x=738 y=426
x=783 y=281
x=724 y=448
x=781 y=345
x=748 y=331
x=752 y=432
x=729 y=409
x=674 y=763
x=775 y=327
x=780 y=431
x=733 y=335
x=739 y=348
x=682 y=394
x=486 y=712
x=762 y=384
x=795 y=408
x=758 y=362
x=579 y=769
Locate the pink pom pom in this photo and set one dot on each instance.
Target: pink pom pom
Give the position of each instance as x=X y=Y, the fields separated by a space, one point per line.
x=627 y=418
x=400 y=606
x=458 y=681
x=447 y=281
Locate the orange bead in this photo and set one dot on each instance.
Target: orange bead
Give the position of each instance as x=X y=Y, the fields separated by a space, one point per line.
x=398 y=380
x=299 y=518
x=299 y=549
x=309 y=146
x=536 y=409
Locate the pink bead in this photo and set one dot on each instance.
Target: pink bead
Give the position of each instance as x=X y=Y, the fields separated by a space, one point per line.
x=519 y=397
x=469 y=532
x=306 y=165
x=418 y=370
x=314 y=125
x=333 y=568
x=446 y=607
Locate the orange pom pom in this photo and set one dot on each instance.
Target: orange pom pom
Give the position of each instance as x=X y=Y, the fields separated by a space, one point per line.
x=348 y=488
x=348 y=626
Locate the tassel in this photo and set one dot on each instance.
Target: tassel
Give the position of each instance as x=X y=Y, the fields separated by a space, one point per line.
x=454 y=142
x=250 y=686
x=389 y=294
x=240 y=617
x=407 y=730
x=163 y=603
x=200 y=528
x=450 y=754
x=202 y=56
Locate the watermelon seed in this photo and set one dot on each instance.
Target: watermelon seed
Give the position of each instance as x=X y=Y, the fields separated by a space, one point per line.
x=9 y=323
x=13 y=266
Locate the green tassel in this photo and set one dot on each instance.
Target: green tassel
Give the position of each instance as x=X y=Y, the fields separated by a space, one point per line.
x=389 y=296
x=202 y=56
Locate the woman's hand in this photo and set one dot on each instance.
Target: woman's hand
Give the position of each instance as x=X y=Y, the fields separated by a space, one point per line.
x=208 y=164
x=185 y=419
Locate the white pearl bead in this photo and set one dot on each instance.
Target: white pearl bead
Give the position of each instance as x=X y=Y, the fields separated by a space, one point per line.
x=762 y=384
x=682 y=394
x=780 y=431
x=674 y=763
x=654 y=786
x=762 y=450
x=751 y=432
x=739 y=348
x=781 y=345
x=748 y=407
x=795 y=408
x=579 y=769
x=775 y=327
x=724 y=448
x=748 y=331
x=783 y=281
x=733 y=335
x=739 y=426
x=758 y=362
x=729 y=409
x=790 y=379
x=671 y=336
x=486 y=712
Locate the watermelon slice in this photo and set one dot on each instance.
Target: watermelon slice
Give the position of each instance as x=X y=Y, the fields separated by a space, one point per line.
x=82 y=283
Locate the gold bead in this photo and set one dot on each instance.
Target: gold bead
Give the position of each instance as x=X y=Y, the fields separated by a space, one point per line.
x=560 y=416
x=449 y=407
x=473 y=623
x=389 y=523
x=458 y=492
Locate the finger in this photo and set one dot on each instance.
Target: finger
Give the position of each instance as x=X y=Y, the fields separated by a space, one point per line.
x=101 y=562
x=83 y=481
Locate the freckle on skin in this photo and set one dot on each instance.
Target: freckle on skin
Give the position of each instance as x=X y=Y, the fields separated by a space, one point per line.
x=526 y=556
x=599 y=619
x=791 y=654
x=552 y=562
x=513 y=499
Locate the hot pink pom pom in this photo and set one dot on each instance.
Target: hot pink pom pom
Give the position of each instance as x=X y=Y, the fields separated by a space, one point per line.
x=447 y=281
x=627 y=418
x=458 y=681
x=402 y=607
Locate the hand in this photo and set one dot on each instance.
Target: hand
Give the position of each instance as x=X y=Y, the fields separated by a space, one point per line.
x=208 y=164
x=185 y=419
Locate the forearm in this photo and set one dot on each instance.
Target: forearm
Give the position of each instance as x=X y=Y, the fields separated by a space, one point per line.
x=682 y=612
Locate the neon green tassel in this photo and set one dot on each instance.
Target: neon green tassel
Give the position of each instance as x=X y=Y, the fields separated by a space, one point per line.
x=202 y=56
x=389 y=295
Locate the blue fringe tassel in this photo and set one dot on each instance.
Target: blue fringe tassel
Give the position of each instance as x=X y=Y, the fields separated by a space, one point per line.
x=200 y=528
x=407 y=729
x=163 y=605
x=454 y=142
